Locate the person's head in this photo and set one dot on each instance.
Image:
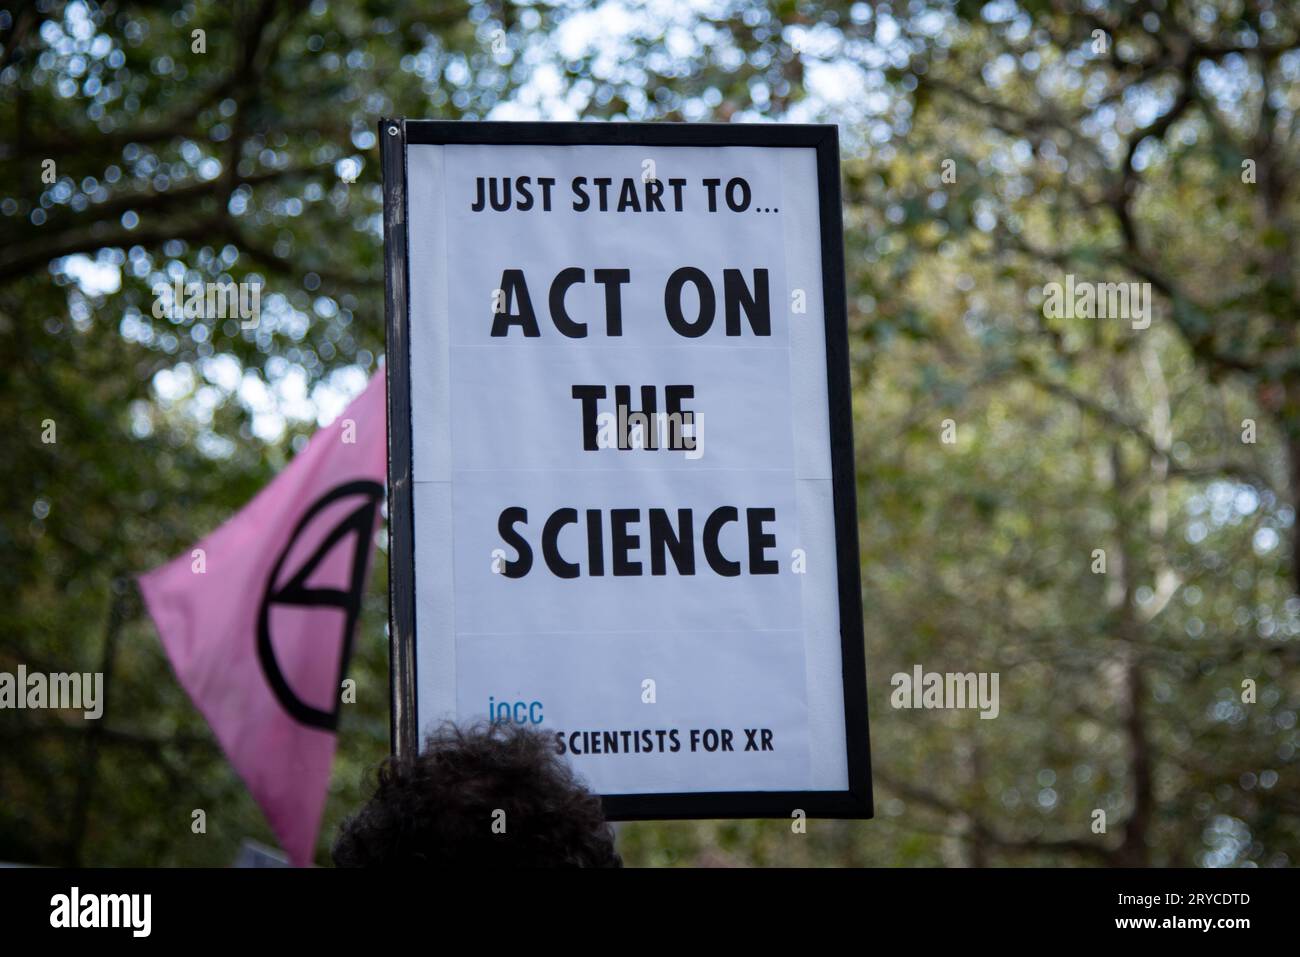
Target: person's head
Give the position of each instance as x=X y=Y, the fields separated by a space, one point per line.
x=487 y=796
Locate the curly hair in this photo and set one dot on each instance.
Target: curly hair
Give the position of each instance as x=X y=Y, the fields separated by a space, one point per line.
x=439 y=809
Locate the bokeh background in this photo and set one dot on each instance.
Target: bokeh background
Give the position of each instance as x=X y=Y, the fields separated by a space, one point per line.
x=988 y=149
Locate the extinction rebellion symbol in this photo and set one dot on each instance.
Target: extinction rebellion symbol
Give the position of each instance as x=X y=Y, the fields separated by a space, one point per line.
x=359 y=522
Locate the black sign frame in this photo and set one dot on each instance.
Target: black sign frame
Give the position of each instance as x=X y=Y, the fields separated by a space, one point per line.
x=395 y=136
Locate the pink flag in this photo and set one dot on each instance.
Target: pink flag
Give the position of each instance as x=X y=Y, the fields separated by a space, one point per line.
x=258 y=618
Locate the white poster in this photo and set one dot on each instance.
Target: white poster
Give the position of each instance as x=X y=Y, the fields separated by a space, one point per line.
x=621 y=476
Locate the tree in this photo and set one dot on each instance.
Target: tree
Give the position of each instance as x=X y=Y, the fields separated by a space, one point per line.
x=990 y=150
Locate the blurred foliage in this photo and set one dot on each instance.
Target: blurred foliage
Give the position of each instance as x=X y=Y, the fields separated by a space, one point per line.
x=989 y=149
